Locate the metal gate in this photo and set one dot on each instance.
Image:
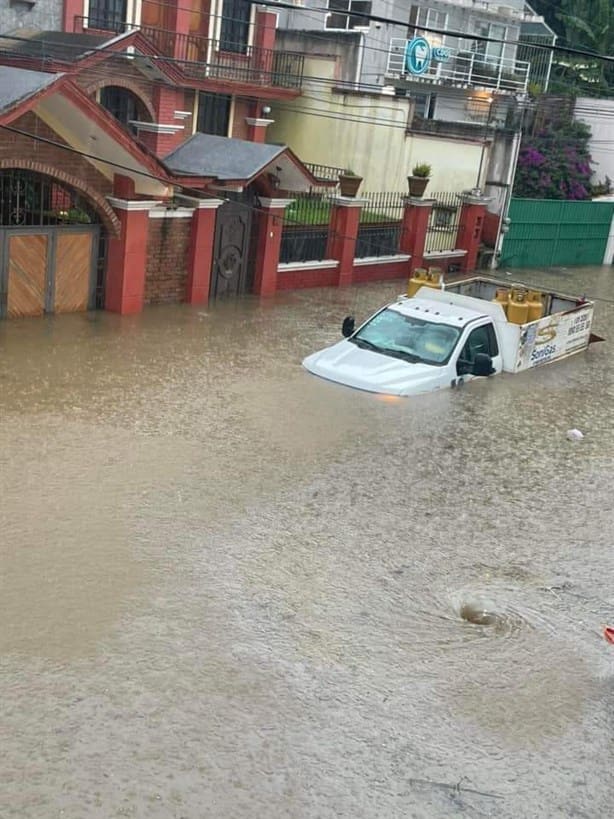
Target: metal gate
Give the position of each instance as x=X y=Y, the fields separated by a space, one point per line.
x=231 y=251
x=545 y=233
x=47 y=270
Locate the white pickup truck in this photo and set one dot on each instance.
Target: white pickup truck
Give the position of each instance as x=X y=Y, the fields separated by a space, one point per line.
x=443 y=337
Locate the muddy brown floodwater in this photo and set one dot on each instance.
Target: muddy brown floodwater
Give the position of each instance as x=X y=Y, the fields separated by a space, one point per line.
x=230 y=589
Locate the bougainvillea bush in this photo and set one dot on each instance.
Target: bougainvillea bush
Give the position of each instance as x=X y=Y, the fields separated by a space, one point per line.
x=555 y=164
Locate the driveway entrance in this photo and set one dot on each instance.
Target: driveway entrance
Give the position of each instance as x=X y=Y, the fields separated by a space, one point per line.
x=49 y=244
x=50 y=270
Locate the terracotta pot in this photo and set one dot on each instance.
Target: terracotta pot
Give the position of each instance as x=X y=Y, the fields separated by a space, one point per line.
x=348 y=185
x=417 y=185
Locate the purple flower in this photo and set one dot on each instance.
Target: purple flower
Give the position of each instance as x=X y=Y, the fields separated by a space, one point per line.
x=531 y=156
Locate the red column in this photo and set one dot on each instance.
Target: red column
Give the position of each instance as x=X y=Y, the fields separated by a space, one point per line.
x=473 y=211
x=72 y=10
x=270 y=224
x=264 y=43
x=161 y=139
x=256 y=128
x=167 y=132
x=200 y=257
x=178 y=22
x=344 y=221
x=414 y=228
x=127 y=257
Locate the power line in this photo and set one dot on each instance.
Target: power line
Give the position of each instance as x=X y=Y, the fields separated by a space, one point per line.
x=120 y=166
x=432 y=30
x=100 y=72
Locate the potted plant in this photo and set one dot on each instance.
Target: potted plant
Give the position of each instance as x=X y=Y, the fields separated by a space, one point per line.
x=419 y=178
x=349 y=182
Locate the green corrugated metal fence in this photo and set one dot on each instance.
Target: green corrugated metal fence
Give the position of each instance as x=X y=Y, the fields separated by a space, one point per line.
x=546 y=232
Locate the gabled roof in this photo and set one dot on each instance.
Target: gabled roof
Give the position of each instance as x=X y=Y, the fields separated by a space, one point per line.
x=221 y=157
x=73 y=51
x=17 y=85
x=51 y=45
x=71 y=114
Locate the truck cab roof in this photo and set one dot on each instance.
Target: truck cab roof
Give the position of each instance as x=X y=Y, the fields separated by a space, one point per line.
x=444 y=311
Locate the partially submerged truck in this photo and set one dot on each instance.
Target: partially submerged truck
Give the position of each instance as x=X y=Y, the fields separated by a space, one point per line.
x=443 y=336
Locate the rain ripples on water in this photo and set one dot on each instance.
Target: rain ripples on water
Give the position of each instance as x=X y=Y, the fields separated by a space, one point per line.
x=231 y=589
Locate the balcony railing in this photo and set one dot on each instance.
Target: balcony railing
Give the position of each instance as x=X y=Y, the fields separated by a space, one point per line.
x=463 y=68
x=203 y=58
x=324 y=173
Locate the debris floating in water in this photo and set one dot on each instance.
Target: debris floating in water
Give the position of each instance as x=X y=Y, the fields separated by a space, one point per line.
x=574 y=435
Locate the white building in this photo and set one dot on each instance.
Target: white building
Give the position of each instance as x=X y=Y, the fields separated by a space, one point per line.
x=430 y=53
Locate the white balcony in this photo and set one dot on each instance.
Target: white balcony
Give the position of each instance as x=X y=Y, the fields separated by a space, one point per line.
x=463 y=68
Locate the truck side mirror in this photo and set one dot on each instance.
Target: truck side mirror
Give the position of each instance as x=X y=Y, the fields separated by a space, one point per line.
x=347 y=328
x=482 y=365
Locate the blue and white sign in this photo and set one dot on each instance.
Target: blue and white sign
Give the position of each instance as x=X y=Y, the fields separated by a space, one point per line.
x=441 y=54
x=419 y=55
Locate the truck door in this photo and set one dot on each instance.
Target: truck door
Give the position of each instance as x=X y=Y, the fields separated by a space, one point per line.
x=481 y=339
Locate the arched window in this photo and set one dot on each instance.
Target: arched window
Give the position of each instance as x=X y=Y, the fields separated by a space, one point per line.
x=124 y=105
x=30 y=198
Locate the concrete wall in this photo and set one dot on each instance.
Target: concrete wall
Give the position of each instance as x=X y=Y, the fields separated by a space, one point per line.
x=368 y=133
x=376 y=36
x=345 y=48
x=45 y=15
x=599 y=115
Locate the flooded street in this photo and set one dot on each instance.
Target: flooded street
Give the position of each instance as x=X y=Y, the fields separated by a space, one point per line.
x=230 y=589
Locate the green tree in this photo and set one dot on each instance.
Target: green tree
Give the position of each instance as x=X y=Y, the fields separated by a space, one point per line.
x=587 y=25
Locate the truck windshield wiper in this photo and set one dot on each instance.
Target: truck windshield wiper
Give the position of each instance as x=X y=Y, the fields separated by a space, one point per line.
x=363 y=342
x=406 y=356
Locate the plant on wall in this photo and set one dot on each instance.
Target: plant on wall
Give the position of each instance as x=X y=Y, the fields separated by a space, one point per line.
x=555 y=163
x=422 y=169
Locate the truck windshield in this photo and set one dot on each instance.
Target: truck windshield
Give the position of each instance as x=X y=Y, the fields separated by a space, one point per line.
x=413 y=339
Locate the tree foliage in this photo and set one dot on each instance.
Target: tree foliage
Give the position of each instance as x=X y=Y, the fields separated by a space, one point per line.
x=587 y=25
x=555 y=163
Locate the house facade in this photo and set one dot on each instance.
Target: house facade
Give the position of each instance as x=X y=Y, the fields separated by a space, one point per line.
x=135 y=167
x=111 y=198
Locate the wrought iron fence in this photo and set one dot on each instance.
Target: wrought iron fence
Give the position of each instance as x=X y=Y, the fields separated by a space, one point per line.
x=443 y=222
x=325 y=173
x=203 y=58
x=306 y=228
x=379 y=231
x=29 y=198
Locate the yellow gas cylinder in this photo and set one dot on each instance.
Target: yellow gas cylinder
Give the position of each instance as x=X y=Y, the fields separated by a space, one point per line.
x=502 y=297
x=535 y=304
x=417 y=281
x=518 y=308
x=433 y=277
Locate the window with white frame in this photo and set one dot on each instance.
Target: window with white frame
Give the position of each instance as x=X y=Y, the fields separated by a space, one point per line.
x=492 y=52
x=342 y=14
x=421 y=19
x=424 y=105
x=108 y=15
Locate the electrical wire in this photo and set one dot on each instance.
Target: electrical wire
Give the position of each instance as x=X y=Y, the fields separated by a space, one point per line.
x=433 y=30
x=162 y=180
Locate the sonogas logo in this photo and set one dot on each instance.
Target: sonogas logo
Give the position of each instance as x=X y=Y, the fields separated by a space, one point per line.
x=417 y=55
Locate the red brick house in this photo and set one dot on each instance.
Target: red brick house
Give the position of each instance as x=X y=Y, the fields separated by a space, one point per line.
x=129 y=100
x=134 y=167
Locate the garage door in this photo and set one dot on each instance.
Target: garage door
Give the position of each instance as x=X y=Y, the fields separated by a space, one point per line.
x=47 y=271
x=27 y=275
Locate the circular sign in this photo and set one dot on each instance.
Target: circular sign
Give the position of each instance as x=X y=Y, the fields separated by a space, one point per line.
x=417 y=55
